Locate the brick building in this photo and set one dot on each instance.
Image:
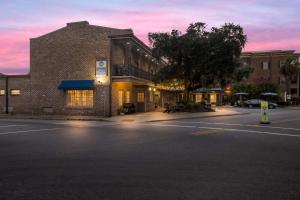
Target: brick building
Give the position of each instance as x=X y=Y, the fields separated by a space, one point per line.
x=266 y=65
x=84 y=69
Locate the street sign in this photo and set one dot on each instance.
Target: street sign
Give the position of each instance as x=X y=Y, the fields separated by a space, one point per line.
x=264 y=112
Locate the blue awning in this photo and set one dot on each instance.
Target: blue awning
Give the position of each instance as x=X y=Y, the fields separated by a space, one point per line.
x=76 y=84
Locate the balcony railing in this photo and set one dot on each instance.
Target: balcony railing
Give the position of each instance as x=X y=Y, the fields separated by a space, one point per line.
x=130 y=70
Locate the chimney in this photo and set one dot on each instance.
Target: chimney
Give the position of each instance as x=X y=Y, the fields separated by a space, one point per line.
x=78 y=24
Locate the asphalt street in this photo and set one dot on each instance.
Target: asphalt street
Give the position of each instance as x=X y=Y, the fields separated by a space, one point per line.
x=232 y=157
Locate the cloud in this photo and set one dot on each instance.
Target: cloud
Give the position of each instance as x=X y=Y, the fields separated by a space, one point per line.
x=269 y=24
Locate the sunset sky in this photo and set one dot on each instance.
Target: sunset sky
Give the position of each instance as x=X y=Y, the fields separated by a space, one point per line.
x=269 y=24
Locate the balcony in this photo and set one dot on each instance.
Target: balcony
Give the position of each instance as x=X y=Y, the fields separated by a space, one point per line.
x=130 y=70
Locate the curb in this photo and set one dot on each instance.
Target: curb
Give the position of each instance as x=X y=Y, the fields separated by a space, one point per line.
x=50 y=118
x=199 y=117
x=106 y=120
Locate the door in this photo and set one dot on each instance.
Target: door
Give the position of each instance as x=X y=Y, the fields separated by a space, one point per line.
x=141 y=102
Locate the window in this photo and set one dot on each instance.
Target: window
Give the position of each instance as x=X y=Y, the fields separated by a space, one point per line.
x=140 y=97
x=198 y=98
x=265 y=65
x=127 y=97
x=15 y=92
x=80 y=98
x=151 y=96
x=213 y=98
x=2 y=92
x=120 y=98
x=281 y=63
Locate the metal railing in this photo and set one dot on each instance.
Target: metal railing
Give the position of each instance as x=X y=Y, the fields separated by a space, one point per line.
x=130 y=70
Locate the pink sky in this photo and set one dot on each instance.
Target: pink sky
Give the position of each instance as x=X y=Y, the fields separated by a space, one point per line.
x=270 y=25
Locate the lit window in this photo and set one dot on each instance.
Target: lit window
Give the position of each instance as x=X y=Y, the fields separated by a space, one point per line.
x=120 y=98
x=15 y=92
x=80 y=98
x=213 y=98
x=2 y=92
x=140 y=97
x=127 y=96
x=151 y=96
x=198 y=98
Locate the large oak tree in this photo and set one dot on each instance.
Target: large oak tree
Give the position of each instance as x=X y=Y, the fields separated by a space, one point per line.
x=198 y=57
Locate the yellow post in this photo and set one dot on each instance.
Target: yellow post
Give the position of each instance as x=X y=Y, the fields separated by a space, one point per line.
x=264 y=113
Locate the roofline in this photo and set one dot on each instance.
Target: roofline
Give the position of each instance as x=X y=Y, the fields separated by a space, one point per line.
x=269 y=53
x=15 y=76
x=134 y=38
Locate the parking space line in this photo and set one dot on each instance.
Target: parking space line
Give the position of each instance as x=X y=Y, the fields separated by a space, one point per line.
x=12 y=125
x=241 y=125
x=28 y=131
x=163 y=125
x=227 y=129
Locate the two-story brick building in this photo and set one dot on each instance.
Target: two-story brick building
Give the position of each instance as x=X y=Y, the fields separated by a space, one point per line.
x=84 y=69
x=266 y=65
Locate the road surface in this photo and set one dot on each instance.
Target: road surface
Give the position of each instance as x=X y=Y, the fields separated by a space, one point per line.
x=232 y=157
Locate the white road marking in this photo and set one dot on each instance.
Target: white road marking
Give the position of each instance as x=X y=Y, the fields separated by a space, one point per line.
x=227 y=129
x=27 y=131
x=12 y=125
x=162 y=125
x=242 y=125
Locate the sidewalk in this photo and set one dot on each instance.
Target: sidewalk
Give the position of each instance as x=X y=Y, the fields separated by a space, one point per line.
x=160 y=116
x=139 y=117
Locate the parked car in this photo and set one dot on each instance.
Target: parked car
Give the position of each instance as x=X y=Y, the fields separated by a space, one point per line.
x=256 y=103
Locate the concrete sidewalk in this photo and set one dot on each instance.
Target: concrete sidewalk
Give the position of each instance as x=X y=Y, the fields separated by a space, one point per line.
x=160 y=116
x=139 y=117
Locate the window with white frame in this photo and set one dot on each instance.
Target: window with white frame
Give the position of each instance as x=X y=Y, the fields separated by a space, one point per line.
x=265 y=65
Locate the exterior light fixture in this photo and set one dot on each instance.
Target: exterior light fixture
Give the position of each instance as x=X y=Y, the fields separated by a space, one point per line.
x=128 y=43
x=146 y=55
x=150 y=88
x=102 y=80
x=154 y=89
x=138 y=49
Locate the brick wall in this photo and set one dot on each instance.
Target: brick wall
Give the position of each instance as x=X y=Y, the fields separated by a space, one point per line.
x=259 y=75
x=17 y=103
x=69 y=53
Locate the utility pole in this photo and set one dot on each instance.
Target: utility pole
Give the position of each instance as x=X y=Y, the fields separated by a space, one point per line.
x=6 y=94
x=298 y=85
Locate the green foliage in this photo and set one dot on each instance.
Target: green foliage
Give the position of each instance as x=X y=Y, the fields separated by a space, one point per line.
x=290 y=70
x=241 y=73
x=199 y=57
x=255 y=90
x=197 y=107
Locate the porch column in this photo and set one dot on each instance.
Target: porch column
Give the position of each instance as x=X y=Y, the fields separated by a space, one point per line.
x=128 y=55
x=140 y=62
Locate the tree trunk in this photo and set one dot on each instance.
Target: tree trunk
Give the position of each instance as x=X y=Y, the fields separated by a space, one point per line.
x=186 y=91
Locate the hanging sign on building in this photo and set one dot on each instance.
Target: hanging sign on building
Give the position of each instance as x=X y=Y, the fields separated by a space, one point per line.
x=101 y=68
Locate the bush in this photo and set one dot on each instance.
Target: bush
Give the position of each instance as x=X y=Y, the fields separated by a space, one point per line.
x=198 y=107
